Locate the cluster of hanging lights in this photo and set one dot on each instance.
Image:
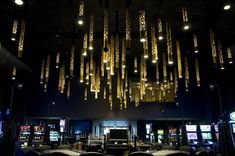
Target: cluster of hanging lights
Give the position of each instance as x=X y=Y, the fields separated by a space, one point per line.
x=101 y=77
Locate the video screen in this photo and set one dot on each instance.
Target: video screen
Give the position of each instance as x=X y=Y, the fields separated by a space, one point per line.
x=205 y=128
x=160 y=131
x=118 y=134
x=24 y=130
x=206 y=136
x=192 y=136
x=191 y=128
x=216 y=128
x=54 y=136
x=38 y=130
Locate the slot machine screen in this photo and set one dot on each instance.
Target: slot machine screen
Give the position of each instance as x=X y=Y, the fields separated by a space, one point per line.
x=38 y=130
x=205 y=128
x=25 y=130
x=191 y=128
x=206 y=136
x=192 y=136
x=54 y=135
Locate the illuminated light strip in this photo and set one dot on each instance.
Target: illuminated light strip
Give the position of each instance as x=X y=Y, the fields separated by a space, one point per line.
x=91 y=32
x=197 y=72
x=128 y=29
x=21 y=40
x=213 y=46
x=42 y=72
x=14 y=30
x=186 y=74
x=71 y=68
x=179 y=62
x=221 y=57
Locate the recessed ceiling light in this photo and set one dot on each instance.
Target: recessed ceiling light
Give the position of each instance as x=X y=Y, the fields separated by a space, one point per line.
x=186 y=27
x=80 y=22
x=19 y=2
x=160 y=37
x=227 y=7
x=142 y=40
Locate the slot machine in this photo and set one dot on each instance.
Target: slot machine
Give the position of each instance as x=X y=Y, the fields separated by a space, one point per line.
x=192 y=136
x=206 y=136
x=24 y=136
x=38 y=136
x=216 y=130
x=160 y=136
x=173 y=136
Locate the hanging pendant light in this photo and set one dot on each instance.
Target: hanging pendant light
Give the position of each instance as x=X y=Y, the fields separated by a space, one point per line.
x=80 y=19
x=142 y=25
x=160 y=31
x=21 y=40
x=14 y=30
x=185 y=19
x=229 y=55
x=91 y=32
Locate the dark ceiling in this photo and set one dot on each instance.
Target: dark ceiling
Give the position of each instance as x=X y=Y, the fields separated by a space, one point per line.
x=51 y=27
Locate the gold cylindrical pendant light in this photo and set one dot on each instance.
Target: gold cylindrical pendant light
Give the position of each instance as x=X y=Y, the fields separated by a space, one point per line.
x=87 y=74
x=160 y=31
x=185 y=19
x=91 y=32
x=14 y=30
x=186 y=74
x=112 y=61
x=221 y=57
x=157 y=73
x=142 y=25
x=117 y=51
x=71 y=67
x=195 y=44
x=213 y=46
x=169 y=44
x=135 y=65
x=85 y=94
x=84 y=53
x=21 y=40
x=164 y=67
x=47 y=69
x=68 y=89
x=154 y=45
x=176 y=82
x=42 y=72
x=106 y=30
x=13 y=73
x=57 y=62
x=197 y=72
x=81 y=68
x=229 y=55
x=179 y=62
x=128 y=29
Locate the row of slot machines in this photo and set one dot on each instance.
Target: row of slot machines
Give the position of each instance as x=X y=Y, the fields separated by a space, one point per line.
x=194 y=135
x=203 y=135
x=35 y=136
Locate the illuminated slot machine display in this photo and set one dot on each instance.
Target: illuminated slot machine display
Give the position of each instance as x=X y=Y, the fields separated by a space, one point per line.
x=160 y=136
x=54 y=136
x=232 y=126
x=192 y=136
x=173 y=136
x=24 y=135
x=206 y=135
x=38 y=135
